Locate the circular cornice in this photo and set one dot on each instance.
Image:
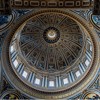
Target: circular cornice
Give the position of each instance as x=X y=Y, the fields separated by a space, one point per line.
x=42 y=74
x=46 y=95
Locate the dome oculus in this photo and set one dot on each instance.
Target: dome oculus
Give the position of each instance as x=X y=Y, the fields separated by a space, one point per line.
x=51 y=35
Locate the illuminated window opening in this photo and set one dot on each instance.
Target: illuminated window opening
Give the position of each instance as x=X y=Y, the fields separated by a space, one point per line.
x=37 y=81
x=90 y=48
x=25 y=74
x=15 y=63
x=65 y=81
x=51 y=83
x=78 y=73
x=87 y=63
x=11 y=48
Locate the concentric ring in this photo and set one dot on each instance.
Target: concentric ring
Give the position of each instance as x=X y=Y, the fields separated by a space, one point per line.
x=67 y=90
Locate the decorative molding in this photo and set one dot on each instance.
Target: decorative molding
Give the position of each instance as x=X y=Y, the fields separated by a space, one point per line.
x=83 y=84
x=51 y=4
